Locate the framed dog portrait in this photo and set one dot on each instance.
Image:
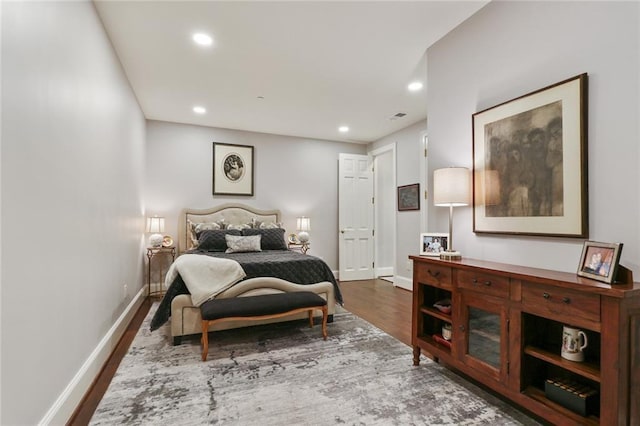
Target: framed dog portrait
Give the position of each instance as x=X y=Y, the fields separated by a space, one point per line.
x=232 y=169
x=599 y=261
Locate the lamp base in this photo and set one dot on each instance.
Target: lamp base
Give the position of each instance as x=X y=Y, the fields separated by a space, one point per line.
x=303 y=236
x=155 y=240
x=451 y=255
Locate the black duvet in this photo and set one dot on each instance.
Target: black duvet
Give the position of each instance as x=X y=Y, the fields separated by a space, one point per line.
x=284 y=264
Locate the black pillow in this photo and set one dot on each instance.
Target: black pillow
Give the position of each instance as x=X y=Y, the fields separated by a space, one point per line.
x=272 y=238
x=214 y=240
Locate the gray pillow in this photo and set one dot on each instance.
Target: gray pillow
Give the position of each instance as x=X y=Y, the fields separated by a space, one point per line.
x=272 y=238
x=239 y=244
x=214 y=240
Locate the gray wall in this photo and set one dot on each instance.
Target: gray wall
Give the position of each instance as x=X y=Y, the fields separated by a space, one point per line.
x=72 y=162
x=297 y=176
x=509 y=49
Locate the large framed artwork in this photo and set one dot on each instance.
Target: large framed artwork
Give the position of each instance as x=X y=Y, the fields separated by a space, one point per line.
x=232 y=169
x=530 y=163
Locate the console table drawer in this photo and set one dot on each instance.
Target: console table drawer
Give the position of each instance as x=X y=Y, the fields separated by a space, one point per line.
x=493 y=285
x=560 y=302
x=436 y=275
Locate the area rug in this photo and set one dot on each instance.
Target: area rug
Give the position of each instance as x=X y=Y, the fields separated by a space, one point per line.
x=286 y=374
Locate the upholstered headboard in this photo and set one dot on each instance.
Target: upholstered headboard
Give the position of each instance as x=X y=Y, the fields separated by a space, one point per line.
x=231 y=213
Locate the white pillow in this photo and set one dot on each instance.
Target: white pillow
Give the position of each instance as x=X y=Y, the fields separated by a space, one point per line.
x=242 y=244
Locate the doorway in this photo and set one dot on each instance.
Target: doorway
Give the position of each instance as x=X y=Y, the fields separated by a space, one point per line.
x=384 y=208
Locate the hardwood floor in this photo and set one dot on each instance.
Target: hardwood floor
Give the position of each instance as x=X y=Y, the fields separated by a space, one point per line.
x=380 y=303
x=92 y=398
x=376 y=301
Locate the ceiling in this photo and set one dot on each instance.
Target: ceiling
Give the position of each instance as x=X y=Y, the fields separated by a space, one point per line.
x=291 y=68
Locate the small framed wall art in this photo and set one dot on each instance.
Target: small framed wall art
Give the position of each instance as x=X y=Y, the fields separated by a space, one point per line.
x=432 y=244
x=599 y=261
x=232 y=169
x=409 y=197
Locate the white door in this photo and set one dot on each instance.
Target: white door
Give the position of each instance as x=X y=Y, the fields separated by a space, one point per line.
x=355 y=217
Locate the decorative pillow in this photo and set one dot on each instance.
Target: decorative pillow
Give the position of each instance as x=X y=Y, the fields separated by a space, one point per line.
x=194 y=229
x=272 y=238
x=206 y=226
x=214 y=240
x=242 y=244
x=239 y=227
x=270 y=225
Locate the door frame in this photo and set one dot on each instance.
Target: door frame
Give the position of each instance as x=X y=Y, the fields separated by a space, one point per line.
x=373 y=154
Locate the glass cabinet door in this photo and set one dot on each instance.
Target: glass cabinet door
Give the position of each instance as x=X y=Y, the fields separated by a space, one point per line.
x=483 y=332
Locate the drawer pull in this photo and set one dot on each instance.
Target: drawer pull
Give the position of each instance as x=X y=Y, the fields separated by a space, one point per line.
x=433 y=274
x=487 y=283
x=566 y=300
x=461 y=328
x=546 y=295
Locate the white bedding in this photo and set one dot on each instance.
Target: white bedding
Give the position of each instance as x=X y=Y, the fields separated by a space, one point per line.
x=204 y=276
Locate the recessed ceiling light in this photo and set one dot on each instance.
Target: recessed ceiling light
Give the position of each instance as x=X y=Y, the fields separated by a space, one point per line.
x=415 y=86
x=343 y=129
x=202 y=39
x=199 y=109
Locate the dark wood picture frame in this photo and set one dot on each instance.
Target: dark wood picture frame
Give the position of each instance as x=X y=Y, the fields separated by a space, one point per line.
x=232 y=169
x=530 y=163
x=409 y=197
x=600 y=261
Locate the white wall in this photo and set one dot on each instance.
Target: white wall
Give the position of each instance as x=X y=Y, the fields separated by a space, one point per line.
x=72 y=162
x=409 y=153
x=297 y=176
x=509 y=49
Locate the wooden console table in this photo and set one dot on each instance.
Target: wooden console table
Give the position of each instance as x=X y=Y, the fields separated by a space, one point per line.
x=506 y=325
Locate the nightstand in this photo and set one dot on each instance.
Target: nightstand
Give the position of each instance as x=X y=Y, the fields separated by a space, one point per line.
x=301 y=247
x=151 y=253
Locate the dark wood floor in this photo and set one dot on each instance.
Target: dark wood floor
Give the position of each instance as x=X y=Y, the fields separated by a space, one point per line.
x=376 y=301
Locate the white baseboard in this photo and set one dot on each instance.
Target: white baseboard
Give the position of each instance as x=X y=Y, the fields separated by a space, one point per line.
x=384 y=272
x=63 y=408
x=403 y=282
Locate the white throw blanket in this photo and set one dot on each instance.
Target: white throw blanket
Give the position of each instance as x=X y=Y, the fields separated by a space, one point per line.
x=204 y=276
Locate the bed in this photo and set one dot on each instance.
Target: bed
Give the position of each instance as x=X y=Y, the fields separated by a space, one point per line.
x=272 y=269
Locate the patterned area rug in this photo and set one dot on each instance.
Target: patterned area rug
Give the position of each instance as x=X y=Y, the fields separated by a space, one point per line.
x=286 y=374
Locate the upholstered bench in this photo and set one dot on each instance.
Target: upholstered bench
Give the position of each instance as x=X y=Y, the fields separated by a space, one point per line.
x=259 y=307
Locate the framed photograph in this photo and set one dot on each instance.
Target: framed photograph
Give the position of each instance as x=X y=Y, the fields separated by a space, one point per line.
x=432 y=244
x=599 y=261
x=530 y=163
x=409 y=197
x=232 y=169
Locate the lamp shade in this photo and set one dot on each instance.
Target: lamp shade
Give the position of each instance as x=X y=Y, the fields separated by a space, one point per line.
x=155 y=224
x=303 y=223
x=451 y=186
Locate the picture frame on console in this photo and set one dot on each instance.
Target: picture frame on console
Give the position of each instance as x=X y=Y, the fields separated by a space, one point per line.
x=600 y=261
x=232 y=169
x=433 y=244
x=409 y=197
x=530 y=163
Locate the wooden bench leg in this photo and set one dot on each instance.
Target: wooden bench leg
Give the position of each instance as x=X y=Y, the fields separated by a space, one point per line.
x=325 y=312
x=205 y=339
x=311 y=317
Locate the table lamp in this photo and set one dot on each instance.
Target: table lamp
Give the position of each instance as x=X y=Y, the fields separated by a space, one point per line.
x=155 y=225
x=303 y=225
x=451 y=188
